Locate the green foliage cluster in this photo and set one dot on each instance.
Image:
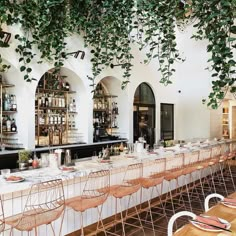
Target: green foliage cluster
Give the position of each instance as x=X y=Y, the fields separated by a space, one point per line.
x=216 y=23
x=109 y=28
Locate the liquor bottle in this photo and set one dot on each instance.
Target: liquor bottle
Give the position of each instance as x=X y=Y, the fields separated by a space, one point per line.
x=67 y=86
x=46 y=101
x=13 y=125
x=6 y=102
x=113 y=108
x=74 y=106
x=116 y=109
x=71 y=105
x=63 y=118
x=8 y=123
x=4 y=124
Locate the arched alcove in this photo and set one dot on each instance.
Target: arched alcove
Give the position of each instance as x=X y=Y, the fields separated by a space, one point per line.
x=109 y=113
x=59 y=107
x=144 y=113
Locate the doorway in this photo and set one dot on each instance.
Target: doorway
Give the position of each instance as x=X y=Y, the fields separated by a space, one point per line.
x=144 y=114
x=167 y=121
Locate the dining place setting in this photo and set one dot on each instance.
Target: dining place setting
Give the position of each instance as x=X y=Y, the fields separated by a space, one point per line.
x=220 y=219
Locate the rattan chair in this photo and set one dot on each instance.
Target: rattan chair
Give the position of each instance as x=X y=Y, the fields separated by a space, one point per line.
x=126 y=190
x=2 y=219
x=45 y=203
x=95 y=193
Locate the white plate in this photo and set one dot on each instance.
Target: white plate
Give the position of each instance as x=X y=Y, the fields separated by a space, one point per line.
x=205 y=227
x=15 y=181
x=228 y=204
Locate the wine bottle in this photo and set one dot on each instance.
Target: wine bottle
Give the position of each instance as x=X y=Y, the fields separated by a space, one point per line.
x=8 y=122
x=13 y=125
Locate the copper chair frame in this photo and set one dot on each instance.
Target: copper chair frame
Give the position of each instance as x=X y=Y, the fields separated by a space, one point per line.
x=45 y=203
x=127 y=188
x=150 y=183
x=94 y=194
x=2 y=218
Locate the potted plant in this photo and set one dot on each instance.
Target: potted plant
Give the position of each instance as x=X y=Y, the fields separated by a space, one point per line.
x=23 y=159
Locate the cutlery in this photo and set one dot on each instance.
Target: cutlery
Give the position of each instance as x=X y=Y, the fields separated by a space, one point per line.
x=214 y=226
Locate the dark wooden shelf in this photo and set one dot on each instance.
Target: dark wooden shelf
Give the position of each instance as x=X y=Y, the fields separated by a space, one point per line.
x=41 y=90
x=6 y=132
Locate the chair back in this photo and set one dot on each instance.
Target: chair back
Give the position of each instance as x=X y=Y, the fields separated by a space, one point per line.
x=133 y=174
x=2 y=219
x=173 y=219
x=45 y=203
x=216 y=151
x=154 y=167
x=213 y=195
x=205 y=154
x=225 y=148
x=233 y=147
x=97 y=185
x=175 y=162
x=191 y=157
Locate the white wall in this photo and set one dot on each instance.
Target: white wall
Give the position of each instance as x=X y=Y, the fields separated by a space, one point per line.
x=192 y=119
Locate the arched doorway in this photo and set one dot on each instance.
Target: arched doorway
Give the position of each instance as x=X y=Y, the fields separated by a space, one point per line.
x=144 y=113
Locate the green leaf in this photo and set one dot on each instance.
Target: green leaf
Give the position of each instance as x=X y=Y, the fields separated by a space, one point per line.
x=22 y=68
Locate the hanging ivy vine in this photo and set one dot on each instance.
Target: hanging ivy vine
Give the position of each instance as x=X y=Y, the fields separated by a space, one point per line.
x=216 y=24
x=156 y=32
x=109 y=28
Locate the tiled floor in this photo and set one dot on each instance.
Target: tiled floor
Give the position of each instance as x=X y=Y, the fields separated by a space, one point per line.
x=161 y=225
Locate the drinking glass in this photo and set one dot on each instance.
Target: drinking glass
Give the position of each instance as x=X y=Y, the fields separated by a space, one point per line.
x=130 y=147
x=5 y=172
x=94 y=156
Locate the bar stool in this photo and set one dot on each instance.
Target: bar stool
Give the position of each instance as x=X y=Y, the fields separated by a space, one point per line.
x=204 y=187
x=2 y=218
x=126 y=190
x=45 y=204
x=174 y=195
x=95 y=193
x=217 y=163
x=189 y=174
x=152 y=180
x=228 y=165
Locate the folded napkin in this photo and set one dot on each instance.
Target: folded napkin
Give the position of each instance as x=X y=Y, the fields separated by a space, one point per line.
x=153 y=152
x=211 y=220
x=230 y=201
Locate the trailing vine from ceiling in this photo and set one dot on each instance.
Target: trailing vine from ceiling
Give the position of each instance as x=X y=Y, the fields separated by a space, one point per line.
x=216 y=23
x=110 y=28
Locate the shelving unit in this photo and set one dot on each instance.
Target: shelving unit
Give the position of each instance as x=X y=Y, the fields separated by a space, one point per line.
x=55 y=111
x=105 y=112
x=7 y=138
x=225 y=121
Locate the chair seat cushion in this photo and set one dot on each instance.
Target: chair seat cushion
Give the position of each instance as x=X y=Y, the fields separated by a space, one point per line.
x=82 y=203
x=33 y=218
x=120 y=191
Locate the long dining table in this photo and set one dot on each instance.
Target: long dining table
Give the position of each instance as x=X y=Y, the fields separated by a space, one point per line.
x=219 y=210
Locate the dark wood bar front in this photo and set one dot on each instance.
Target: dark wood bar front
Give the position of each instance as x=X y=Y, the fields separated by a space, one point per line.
x=8 y=159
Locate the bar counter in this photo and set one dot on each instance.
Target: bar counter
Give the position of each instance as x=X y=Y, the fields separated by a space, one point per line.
x=14 y=194
x=8 y=158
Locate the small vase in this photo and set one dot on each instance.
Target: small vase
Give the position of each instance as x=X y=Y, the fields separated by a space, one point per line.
x=23 y=165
